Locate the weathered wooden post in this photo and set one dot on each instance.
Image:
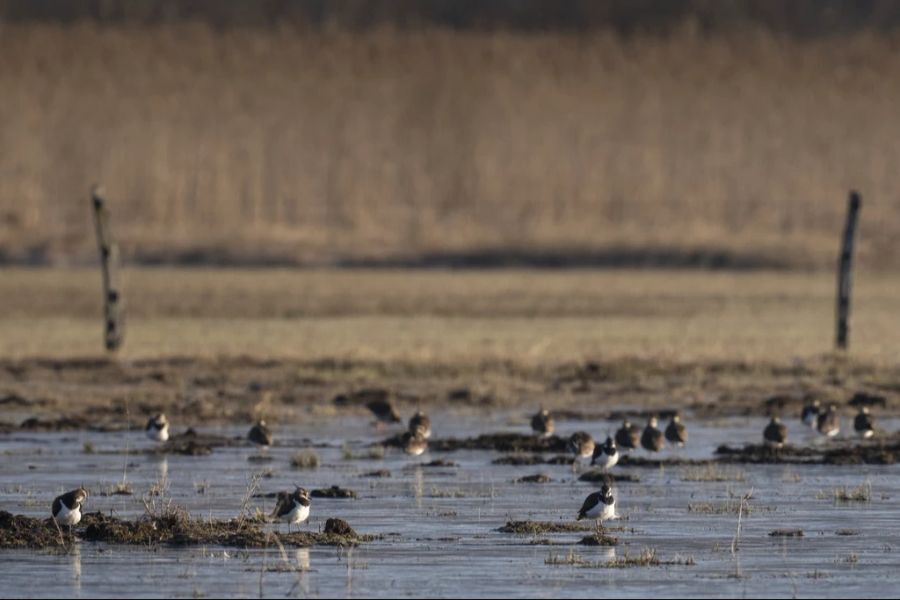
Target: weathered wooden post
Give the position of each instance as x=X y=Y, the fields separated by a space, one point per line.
x=114 y=309
x=845 y=267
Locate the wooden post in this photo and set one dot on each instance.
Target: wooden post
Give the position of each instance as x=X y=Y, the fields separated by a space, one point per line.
x=845 y=268
x=113 y=304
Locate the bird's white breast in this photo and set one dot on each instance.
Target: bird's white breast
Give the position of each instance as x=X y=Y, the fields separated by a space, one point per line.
x=67 y=516
x=298 y=514
x=607 y=461
x=602 y=511
x=158 y=435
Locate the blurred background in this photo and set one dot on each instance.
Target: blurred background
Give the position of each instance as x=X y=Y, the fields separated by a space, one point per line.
x=622 y=133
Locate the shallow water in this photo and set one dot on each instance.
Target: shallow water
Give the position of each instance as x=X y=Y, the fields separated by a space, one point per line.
x=439 y=524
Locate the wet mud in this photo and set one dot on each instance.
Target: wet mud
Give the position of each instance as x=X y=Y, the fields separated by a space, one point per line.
x=175 y=529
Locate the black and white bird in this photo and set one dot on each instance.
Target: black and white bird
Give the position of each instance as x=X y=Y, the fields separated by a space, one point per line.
x=628 y=436
x=863 y=423
x=413 y=443
x=384 y=412
x=420 y=424
x=652 y=438
x=676 y=432
x=606 y=455
x=292 y=508
x=810 y=414
x=67 y=508
x=157 y=428
x=542 y=423
x=775 y=433
x=600 y=506
x=581 y=444
x=828 y=422
x=260 y=434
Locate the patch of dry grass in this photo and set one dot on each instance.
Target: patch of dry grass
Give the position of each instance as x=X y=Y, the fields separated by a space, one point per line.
x=403 y=142
x=844 y=494
x=305 y=459
x=449 y=317
x=712 y=472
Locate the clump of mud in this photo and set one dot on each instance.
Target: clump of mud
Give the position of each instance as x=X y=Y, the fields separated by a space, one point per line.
x=174 y=529
x=877 y=453
x=333 y=492
x=599 y=539
x=655 y=463
x=786 y=533
x=17 y=531
x=379 y=473
x=498 y=442
x=337 y=526
x=537 y=478
x=524 y=460
x=80 y=423
x=440 y=463
x=597 y=476
x=536 y=527
x=191 y=443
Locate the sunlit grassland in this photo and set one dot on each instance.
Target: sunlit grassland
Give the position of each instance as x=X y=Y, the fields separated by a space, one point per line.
x=544 y=317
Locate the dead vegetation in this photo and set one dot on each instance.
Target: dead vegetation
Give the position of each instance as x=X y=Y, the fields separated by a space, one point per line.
x=844 y=494
x=636 y=144
x=647 y=557
x=712 y=472
x=172 y=528
x=540 y=527
x=305 y=459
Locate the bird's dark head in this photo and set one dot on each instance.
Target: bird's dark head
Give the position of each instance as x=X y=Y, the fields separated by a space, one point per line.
x=81 y=495
x=301 y=493
x=606 y=491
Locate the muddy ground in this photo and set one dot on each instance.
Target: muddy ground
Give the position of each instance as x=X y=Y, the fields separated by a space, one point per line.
x=175 y=528
x=105 y=394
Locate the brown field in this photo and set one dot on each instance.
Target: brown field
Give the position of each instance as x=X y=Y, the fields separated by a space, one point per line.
x=286 y=146
x=529 y=317
x=211 y=343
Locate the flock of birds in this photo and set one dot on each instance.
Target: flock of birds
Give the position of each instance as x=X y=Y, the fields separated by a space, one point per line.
x=293 y=507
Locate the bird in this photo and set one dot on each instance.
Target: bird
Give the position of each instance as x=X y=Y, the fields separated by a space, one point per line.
x=413 y=443
x=67 y=508
x=828 y=422
x=157 y=428
x=606 y=455
x=600 y=506
x=863 y=423
x=542 y=423
x=810 y=414
x=676 y=432
x=292 y=508
x=652 y=438
x=581 y=444
x=260 y=435
x=628 y=436
x=420 y=424
x=384 y=411
x=775 y=433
